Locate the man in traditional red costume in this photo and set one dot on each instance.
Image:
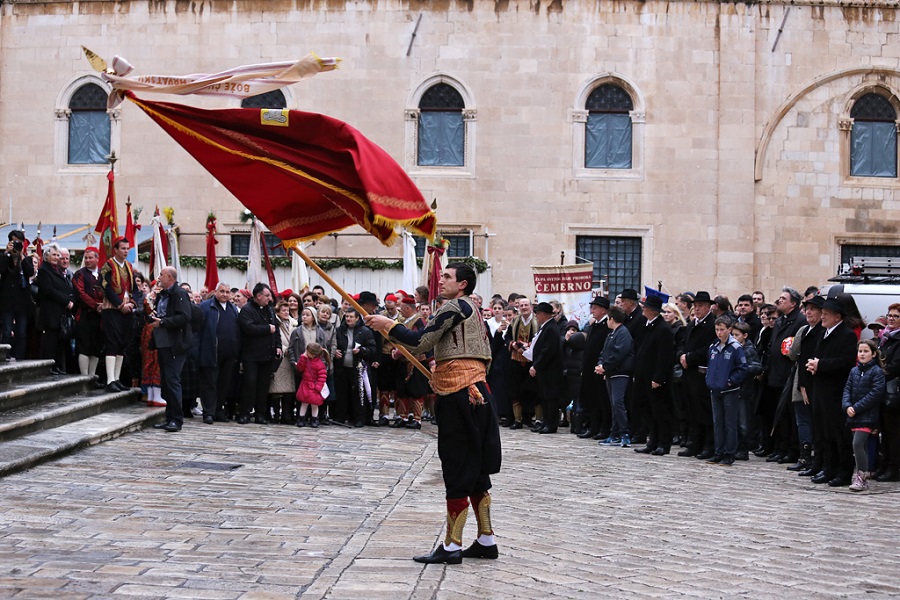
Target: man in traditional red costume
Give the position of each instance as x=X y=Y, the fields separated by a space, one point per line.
x=117 y=280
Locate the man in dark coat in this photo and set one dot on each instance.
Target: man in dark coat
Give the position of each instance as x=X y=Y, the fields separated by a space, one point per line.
x=778 y=372
x=546 y=366
x=593 y=398
x=701 y=332
x=834 y=358
x=652 y=373
x=171 y=321
x=260 y=347
x=219 y=349
x=16 y=271
x=635 y=324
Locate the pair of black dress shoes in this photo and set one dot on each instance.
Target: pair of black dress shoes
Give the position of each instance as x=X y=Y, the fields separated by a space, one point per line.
x=115 y=386
x=454 y=557
x=168 y=426
x=658 y=451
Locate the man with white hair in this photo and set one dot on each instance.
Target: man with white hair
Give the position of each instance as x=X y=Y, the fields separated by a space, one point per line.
x=171 y=322
x=220 y=342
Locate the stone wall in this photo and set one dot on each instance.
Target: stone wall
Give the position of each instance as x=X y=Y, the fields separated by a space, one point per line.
x=716 y=209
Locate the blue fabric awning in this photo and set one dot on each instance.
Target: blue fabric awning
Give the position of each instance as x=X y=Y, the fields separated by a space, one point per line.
x=69 y=235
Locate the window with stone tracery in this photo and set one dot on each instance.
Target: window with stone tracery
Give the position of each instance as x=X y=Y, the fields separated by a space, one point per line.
x=873 y=137
x=608 y=132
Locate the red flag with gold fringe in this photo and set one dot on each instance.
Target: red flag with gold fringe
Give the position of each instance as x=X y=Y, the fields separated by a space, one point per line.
x=304 y=175
x=108 y=223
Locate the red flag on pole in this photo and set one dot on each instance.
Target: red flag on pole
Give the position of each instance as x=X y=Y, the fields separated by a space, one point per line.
x=108 y=223
x=302 y=174
x=269 y=270
x=131 y=230
x=212 y=267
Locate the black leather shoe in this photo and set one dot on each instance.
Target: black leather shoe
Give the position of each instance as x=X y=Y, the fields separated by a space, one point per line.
x=660 y=452
x=799 y=466
x=600 y=436
x=208 y=419
x=476 y=550
x=547 y=430
x=742 y=456
x=516 y=425
x=888 y=475
x=774 y=457
x=822 y=477
x=809 y=472
x=441 y=556
x=160 y=425
x=645 y=450
x=705 y=455
x=113 y=388
x=715 y=459
x=839 y=481
x=688 y=452
x=173 y=426
x=761 y=452
x=787 y=458
x=242 y=420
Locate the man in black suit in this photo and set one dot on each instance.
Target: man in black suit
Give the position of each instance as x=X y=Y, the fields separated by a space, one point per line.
x=834 y=358
x=701 y=332
x=778 y=448
x=593 y=397
x=171 y=321
x=546 y=365
x=653 y=363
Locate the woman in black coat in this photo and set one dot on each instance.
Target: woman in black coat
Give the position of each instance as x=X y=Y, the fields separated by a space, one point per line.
x=889 y=468
x=260 y=349
x=56 y=301
x=355 y=342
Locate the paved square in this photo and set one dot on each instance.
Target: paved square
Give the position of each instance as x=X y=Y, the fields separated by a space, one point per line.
x=230 y=511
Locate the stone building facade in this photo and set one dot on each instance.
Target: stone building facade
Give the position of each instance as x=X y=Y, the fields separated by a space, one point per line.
x=741 y=123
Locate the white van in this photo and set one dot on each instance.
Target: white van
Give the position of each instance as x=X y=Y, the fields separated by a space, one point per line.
x=873 y=282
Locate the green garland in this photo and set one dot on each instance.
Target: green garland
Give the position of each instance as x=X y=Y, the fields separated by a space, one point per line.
x=327 y=264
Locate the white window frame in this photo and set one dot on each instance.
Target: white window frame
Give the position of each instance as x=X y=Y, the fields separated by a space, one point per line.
x=578 y=116
x=62 y=115
x=411 y=117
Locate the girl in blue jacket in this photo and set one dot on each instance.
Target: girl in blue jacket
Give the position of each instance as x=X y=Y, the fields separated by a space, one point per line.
x=863 y=395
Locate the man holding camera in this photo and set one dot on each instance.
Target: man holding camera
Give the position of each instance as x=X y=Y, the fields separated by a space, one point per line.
x=16 y=271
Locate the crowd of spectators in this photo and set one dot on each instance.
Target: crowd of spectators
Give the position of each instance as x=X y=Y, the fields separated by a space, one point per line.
x=791 y=382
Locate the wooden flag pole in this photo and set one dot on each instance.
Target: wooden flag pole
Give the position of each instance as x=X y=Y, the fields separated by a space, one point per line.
x=358 y=308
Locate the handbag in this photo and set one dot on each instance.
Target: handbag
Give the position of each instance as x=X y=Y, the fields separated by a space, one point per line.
x=325 y=391
x=892 y=393
x=66 y=326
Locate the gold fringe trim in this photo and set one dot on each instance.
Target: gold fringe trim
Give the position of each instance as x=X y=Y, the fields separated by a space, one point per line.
x=455 y=528
x=483 y=516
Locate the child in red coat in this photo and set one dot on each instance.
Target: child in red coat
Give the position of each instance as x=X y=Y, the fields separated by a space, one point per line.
x=312 y=390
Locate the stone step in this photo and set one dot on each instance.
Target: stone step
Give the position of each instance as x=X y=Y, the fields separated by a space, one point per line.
x=24 y=420
x=30 y=450
x=50 y=388
x=23 y=371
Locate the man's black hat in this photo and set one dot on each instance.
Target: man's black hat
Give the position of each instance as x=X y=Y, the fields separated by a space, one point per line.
x=630 y=294
x=653 y=302
x=600 y=301
x=544 y=307
x=702 y=297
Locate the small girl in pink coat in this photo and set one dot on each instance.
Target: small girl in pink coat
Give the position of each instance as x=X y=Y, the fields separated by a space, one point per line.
x=312 y=367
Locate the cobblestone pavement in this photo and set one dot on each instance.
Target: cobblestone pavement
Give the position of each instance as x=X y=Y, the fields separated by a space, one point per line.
x=337 y=513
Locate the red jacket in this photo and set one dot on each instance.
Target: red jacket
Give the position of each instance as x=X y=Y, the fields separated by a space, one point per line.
x=314 y=376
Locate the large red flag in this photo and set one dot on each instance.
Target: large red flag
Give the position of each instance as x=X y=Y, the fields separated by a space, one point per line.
x=108 y=223
x=212 y=267
x=302 y=174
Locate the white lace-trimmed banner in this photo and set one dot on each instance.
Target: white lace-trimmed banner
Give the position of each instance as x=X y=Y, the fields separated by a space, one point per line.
x=240 y=82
